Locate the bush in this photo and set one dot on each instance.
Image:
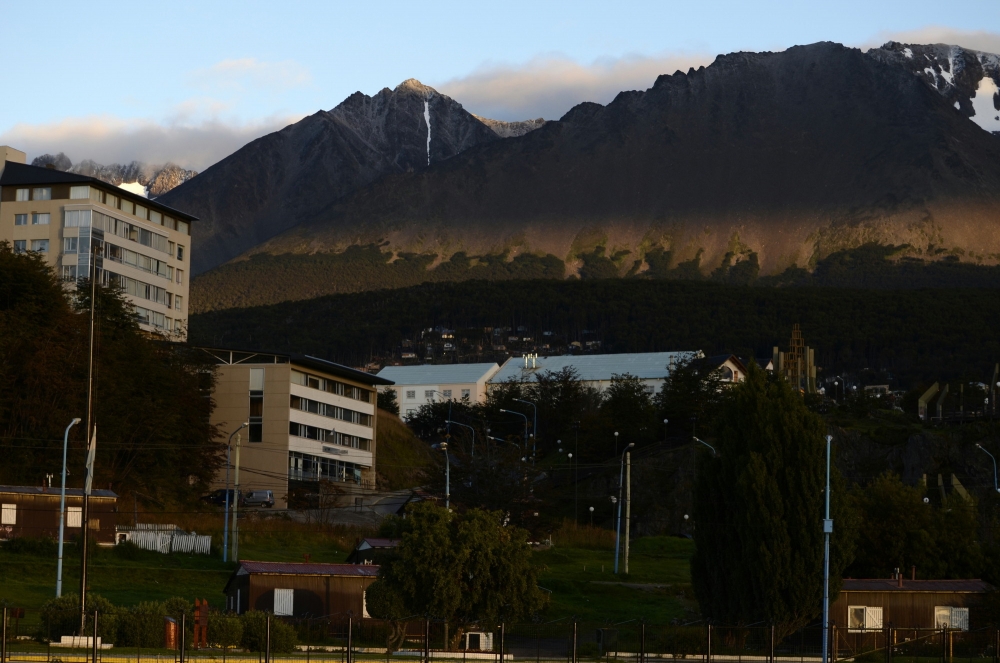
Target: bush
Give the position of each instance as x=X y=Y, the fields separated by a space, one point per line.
x=141 y=625
x=254 y=638
x=31 y=546
x=128 y=551
x=224 y=630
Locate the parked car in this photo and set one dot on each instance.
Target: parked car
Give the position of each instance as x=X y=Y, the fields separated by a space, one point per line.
x=219 y=497
x=258 y=498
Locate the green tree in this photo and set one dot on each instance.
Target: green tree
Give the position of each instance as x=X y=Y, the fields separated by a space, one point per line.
x=758 y=507
x=387 y=401
x=692 y=390
x=628 y=408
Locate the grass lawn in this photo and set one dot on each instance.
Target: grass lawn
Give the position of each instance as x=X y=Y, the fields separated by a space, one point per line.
x=584 y=585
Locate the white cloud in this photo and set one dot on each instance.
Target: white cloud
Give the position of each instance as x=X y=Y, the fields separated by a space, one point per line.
x=109 y=139
x=977 y=40
x=251 y=75
x=549 y=86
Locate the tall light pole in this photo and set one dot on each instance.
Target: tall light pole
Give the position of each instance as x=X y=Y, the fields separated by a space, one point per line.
x=616 y=443
x=525 y=417
x=225 y=530
x=473 y=434
x=62 y=509
x=534 y=429
x=983 y=449
x=443 y=446
x=665 y=430
x=701 y=441
x=827 y=530
x=628 y=501
x=236 y=505
x=576 y=475
x=621 y=477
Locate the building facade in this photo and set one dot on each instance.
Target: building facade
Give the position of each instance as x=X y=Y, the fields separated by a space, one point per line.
x=420 y=385
x=299 y=589
x=312 y=423
x=870 y=604
x=33 y=512
x=597 y=371
x=80 y=224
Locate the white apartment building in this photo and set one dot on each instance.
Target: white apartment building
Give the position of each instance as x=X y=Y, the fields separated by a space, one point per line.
x=419 y=385
x=80 y=224
x=596 y=371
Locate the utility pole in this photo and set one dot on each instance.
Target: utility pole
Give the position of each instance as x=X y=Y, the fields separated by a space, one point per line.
x=576 y=474
x=628 y=502
x=85 y=521
x=225 y=531
x=236 y=505
x=62 y=509
x=621 y=483
x=827 y=530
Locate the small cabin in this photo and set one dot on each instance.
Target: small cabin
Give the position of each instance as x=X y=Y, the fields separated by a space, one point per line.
x=871 y=605
x=299 y=589
x=33 y=512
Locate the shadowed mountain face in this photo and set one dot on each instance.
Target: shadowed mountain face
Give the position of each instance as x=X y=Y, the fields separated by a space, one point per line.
x=286 y=177
x=789 y=156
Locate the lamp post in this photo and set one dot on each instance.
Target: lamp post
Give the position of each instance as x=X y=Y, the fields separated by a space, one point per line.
x=525 y=417
x=665 y=430
x=621 y=476
x=616 y=443
x=236 y=504
x=534 y=429
x=827 y=530
x=473 y=434
x=591 y=517
x=62 y=509
x=576 y=475
x=698 y=439
x=996 y=487
x=443 y=446
x=225 y=530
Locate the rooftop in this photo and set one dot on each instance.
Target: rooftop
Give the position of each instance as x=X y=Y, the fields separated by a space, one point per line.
x=19 y=174
x=892 y=585
x=591 y=368
x=40 y=490
x=377 y=543
x=307 y=568
x=231 y=356
x=438 y=373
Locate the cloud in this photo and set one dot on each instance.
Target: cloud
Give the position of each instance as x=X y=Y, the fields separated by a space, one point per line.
x=109 y=139
x=549 y=86
x=977 y=40
x=250 y=74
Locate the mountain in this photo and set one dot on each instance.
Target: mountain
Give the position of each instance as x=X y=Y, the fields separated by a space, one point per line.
x=154 y=180
x=281 y=179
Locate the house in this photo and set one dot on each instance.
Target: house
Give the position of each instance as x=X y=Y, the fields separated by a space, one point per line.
x=597 y=370
x=372 y=551
x=33 y=511
x=730 y=368
x=865 y=605
x=299 y=589
x=429 y=383
x=311 y=422
x=78 y=223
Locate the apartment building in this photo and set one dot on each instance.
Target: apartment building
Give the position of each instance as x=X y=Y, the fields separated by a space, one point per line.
x=420 y=385
x=81 y=223
x=312 y=423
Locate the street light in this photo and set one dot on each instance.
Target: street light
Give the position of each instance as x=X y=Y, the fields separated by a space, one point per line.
x=628 y=494
x=225 y=530
x=473 y=434
x=443 y=446
x=827 y=530
x=616 y=443
x=591 y=517
x=983 y=449
x=62 y=508
x=534 y=429
x=698 y=439
x=525 y=417
x=665 y=430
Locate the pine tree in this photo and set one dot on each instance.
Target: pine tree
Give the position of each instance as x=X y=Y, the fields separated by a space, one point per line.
x=759 y=509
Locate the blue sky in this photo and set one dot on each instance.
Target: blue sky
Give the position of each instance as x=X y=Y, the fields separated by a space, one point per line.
x=191 y=81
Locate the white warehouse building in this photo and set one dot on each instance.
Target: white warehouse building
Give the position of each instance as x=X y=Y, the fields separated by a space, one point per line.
x=420 y=385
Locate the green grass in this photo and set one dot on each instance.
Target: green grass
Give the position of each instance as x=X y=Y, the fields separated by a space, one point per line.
x=579 y=578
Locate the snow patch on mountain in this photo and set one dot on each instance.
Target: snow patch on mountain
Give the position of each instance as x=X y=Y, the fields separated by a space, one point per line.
x=154 y=180
x=985 y=113
x=427 y=121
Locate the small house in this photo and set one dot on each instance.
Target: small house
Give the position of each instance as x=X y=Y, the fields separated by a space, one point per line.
x=299 y=589
x=372 y=551
x=870 y=605
x=33 y=511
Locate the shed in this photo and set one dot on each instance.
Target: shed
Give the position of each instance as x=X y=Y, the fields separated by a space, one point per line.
x=33 y=511
x=865 y=605
x=299 y=589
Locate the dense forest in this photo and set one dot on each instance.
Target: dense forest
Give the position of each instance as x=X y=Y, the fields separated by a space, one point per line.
x=914 y=335
x=270 y=279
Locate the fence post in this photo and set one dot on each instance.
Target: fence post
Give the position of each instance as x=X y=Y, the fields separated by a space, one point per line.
x=267 y=640
x=574 y=640
x=93 y=642
x=181 y=639
x=3 y=637
x=944 y=645
x=350 y=636
x=833 y=642
x=708 y=653
x=770 y=646
x=427 y=640
x=502 y=634
x=642 y=641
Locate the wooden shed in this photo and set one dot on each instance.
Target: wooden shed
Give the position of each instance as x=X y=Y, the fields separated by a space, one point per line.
x=33 y=511
x=866 y=605
x=300 y=589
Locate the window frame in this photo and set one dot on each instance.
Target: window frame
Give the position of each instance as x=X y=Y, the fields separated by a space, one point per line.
x=8 y=514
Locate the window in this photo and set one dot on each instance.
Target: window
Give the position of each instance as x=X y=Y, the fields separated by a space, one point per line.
x=97 y=195
x=180 y=275
x=169 y=222
x=20 y=246
x=69 y=273
x=79 y=192
x=40 y=245
x=127 y=206
x=182 y=226
x=8 y=514
x=447 y=393
x=20 y=219
x=77 y=218
x=411 y=394
x=141 y=211
x=466 y=393
x=42 y=193
x=178 y=302
x=284 y=602
x=156 y=217
x=40 y=219
x=180 y=252
x=74 y=516
x=21 y=195
x=256 y=428
x=863 y=618
x=70 y=244
x=428 y=393
x=948 y=617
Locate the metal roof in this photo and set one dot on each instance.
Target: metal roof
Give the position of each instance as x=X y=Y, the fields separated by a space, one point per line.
x=19 y=174
x=378 y=543
x=70 y=492
x=591 y=368
x=310 y=569
x=230 y=356
x=891 y=585
x=438 y=373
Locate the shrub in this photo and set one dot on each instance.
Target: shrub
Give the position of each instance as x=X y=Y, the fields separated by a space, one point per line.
x=141 y=625
x=224 y=630
x=254 y=638
x=128 y=551
x=31 y=546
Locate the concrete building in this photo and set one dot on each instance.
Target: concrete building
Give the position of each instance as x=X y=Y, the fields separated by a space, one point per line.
x=312 y=423
x=596 y=371
x=419 y=385
x=80 y=222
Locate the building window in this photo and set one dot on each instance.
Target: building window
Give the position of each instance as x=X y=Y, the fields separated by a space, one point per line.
x=69 y=273
x=466 y=393
x=77 y=218
x=141 y=212
x=70 y=244
x=180 y=252
x=255 y=430
x=79 y=192
x=180 y=275
x=863 y=618
x=74 y=516
x=40 y=219
x=411 y=394
x=178 y=301
x=127 y=206
x=447 y=393
x=20 y=245
x=21 y=195
x=8 y=514
x=20 y=219
x=946 y=616
x=428 y=393
x=40 y=245
x=42 y=193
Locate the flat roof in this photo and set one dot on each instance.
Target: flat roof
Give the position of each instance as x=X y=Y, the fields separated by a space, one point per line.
x=40 y=490
x=438 y=373
x=591 y=368
x=308 y=568
x=20 y=174
x=233 y=356
x=892 y=585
